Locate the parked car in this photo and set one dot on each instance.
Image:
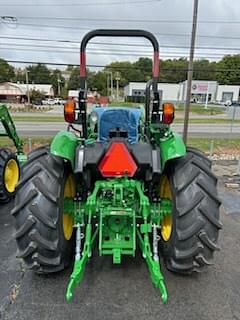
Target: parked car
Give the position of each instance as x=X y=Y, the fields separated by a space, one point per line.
x=48 y=102
x=37 y=102
x=232 y=103
x=235 y=104
x=51 y=101
x=59 y=101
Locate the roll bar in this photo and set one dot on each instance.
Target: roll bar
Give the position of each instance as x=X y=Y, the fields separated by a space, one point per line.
x=83 y=71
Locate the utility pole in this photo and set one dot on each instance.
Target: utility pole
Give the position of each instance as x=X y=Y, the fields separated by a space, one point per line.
x=27 y=83
x=190 y=71
x=111 y=83
x=59 y=87
x=207 y=95
x=107 y=84
x=117 y=85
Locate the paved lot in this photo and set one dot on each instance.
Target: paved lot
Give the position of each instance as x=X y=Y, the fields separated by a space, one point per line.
x=197 y=129
x=125 y=292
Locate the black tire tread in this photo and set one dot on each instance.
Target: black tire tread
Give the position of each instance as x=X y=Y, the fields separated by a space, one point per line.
x=196 y=214
x=37 y=213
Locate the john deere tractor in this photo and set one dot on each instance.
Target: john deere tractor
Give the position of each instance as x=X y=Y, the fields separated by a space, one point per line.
x=9 y=161
x=119 y=179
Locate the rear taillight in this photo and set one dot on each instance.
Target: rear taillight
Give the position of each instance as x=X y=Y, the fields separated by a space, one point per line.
x=168 y=113
x=117 y=162
x=69 y=111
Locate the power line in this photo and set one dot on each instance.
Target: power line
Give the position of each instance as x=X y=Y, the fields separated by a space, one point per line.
x=104 y=53
x=77 y=4
x=128 y=20
x=103 y=49
x=156 y=33
x=115 y=44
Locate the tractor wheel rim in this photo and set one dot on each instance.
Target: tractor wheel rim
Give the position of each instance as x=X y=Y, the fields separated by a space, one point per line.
x=167 y=221
x=166 y=227
x=68 y=221
x=11 y=175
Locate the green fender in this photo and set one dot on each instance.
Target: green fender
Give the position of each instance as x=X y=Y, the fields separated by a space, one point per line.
x=64 y=145
x=171 y=148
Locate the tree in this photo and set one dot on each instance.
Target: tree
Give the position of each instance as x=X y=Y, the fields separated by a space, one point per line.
x=20 y=75
x=73 y=82
x=204 y=70
x=173 y=71
x=96 y=81
x=39 y=74
x=230 y=65
x=125 y=70
x=6 y=71
x=56 y=80
x=36 y=94
x=144 y=69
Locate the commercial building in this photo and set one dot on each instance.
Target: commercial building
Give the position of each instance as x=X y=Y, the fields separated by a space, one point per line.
x=92 y=98
x=169 y=91
x=228 y=93
x=202 y=91
x=17 y=93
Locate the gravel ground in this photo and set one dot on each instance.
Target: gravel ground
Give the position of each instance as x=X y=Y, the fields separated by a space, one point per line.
x=125 y=291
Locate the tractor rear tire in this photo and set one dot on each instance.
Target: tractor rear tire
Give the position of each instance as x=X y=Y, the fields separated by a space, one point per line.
x=8 y=161
x=195 y=215
x=38 y=213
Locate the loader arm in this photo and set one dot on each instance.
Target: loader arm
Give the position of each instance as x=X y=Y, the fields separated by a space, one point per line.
x=10 y=129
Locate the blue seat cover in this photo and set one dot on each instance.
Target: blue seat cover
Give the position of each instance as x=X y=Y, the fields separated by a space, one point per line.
x=110 y=118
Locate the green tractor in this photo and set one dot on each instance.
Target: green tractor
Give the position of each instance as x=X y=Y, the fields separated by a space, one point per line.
x=9 y=161
x=122 y=181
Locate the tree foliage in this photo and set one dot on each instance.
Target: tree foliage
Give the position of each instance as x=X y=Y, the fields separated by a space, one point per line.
x=73 y=82
x=6 y=71
x=56 y=79
x=39 y=74
x=230 y=65
x=36 y=94
x=225 y=71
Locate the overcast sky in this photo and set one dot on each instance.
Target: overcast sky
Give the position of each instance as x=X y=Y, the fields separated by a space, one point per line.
x=218 y=28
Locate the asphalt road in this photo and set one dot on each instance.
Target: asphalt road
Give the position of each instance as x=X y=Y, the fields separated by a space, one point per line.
x=124 y=292
x=211 y=130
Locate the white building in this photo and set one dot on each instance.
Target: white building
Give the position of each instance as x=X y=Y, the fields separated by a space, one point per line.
x=170 y=91
x=228 y=93
x=201 y=91
x=15 y=92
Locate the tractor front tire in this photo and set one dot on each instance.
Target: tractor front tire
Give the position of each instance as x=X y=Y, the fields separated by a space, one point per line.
x=9 y=174
x=38 y=213
x=195 y=215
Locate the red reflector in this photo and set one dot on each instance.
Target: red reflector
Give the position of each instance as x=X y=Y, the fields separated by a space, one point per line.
x=117 y=161
x=168 y=118
x=69 y=117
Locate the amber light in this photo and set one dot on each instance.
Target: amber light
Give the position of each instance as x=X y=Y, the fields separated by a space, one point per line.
x=117 y=161
x=69 y=111
x=168 y=112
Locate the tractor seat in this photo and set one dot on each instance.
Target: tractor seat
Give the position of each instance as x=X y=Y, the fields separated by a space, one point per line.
x=113 y=122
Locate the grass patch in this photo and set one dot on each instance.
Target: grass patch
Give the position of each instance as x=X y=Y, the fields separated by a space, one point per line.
x=47 y=118
x=6 y=142
x=206 y=120
x=125 y=104
x=200 y=109
x=219 y=145
x=38 y=119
